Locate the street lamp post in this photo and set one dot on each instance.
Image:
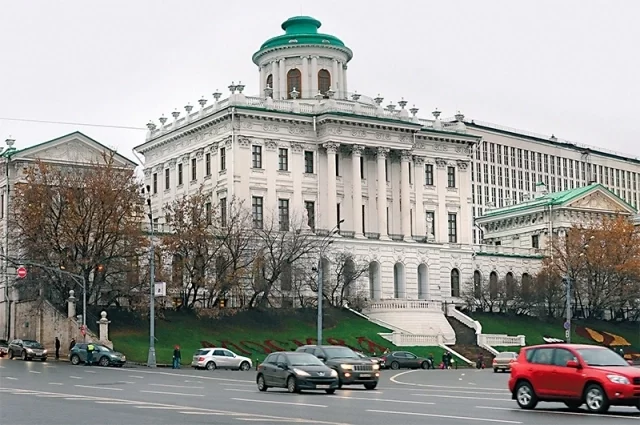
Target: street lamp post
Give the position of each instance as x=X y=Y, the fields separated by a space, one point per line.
x=569 y=285
x=320 y=294
x=151 y=358
x=7 y=308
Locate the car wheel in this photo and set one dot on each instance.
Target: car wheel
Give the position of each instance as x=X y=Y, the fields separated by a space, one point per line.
x=339 y=383
x=638 y=405
x=211 y=366
x=395 y=365
x=596 y=399
x=495 y=370
x=573 y=405
x=292 y=385
x=262 y=385
x=44 y=359
x=75 y=360
x=525 y=396
x=104 y=361
x=24 y=356
x=424 y=365
x=245 y=366
x=10 y=354
x=370 y=385
x=330 y=391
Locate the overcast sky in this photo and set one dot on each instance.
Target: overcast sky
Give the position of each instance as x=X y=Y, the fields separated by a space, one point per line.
x=563 y=67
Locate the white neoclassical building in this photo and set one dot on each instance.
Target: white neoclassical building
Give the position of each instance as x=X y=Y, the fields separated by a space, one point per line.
x=305 y=144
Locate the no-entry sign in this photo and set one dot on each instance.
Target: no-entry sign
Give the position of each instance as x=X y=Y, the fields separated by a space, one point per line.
x=22 y=272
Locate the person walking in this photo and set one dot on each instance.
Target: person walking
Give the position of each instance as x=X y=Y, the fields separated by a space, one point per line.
x=72 y=344
x=90 y=348
x=57 y=348
x=177 y=357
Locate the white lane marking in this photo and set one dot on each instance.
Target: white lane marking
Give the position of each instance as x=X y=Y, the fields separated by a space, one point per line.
x=98 y=388
x=11 y=378
x=48 y=396
x=464 y=392
x=203 y=413
x=270 y=420
x=433 y=415
x=195 y=382
x=136 y=376
x=168 y=393
x=463 y=397
x=90 y=371
x=182 y=375
x=177 y=386
x=239 y=390
x=112 y=402
x=74 y=398
x=395 y=377
x=160 y=407
x=75 y=377
x=34 y=371
x=234 y=385
x=56 y=383
x=128 y=382
x=553 y=412
x=279 y=402
x=384 y=400
x=1 y=367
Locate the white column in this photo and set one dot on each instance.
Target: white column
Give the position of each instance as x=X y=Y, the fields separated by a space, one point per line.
x=306 y=81
x=314 y=75
x=382 y=193
x=335 y=79
x=344 y=81
x=275 y=76
x=440 y=226
x=465 y=225
x=356 y=154
x=418 y=183
x=262 y=71
x=283 y=81
x=331 y=209
x=405 y=196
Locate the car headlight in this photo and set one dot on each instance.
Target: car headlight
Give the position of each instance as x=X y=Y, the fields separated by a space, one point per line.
x=617 y=379
x=124 y=358
x=300 y=372
x=29 y=350
x=346 y=366
x=44 y=352
x=334 y=373
x=376 y=366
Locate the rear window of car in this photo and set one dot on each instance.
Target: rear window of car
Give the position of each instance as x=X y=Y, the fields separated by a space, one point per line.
x=202 y=352
x=506 y=355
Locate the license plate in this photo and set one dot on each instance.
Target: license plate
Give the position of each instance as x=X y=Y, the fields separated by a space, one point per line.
x=365 y=375
x=322 y=386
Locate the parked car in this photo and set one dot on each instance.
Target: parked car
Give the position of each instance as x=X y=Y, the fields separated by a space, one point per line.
x=296 y=372
x=351 y=368
x=102 y=355
x=4 y=347
x=502 y=362
x=574 y=375
x=27 y=349
x=404 y=360
x=374 y=360
x=219 y=358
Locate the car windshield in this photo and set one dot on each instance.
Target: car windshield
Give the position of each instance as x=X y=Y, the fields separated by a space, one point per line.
x=303 y=359
x=31 y=344
x=601 y=357
x=361 y=355
x=340 y=352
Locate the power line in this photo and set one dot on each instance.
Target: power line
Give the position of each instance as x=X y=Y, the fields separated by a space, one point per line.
x=123 y=127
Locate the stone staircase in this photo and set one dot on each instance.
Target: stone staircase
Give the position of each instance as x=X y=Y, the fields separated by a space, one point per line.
x=471 y=352
x=466 y=342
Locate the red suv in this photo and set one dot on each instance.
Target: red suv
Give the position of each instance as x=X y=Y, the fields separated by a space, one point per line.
x=574 y=375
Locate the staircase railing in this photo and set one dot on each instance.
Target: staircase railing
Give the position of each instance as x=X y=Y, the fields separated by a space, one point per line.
x=377 y=321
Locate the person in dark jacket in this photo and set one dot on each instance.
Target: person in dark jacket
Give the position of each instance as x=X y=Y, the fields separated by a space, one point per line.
x=177 y=357
x=57 y=348
x=72 y=344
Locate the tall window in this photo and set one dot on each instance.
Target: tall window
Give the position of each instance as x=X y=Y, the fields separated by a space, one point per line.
x=283 y=159
x=207 y=164
x=223 y=212
x=364 y=218
x=194 y=169
x=223 y=159
x=308 y=162
x=155 y=183
x=324 y=81
x=179 y=174
x=338 y=216
x=455 y=283
x=337 y=165
x=428 y=174
x=257 y=212
x=431 y=221
x=167 y=179
x=256 y=156
x=310 y=207
x=294 y=81
x=207 y=212
x=453 y=228
x=451 y=176
x=270 y=80
x=386 y=169
x=283 y=214
x=362 y=168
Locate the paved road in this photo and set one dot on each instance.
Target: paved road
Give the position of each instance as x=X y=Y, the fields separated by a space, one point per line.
x=52 y=393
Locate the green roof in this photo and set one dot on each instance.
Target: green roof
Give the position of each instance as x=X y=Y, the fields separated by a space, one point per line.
x=302 y=30
x=555 y=198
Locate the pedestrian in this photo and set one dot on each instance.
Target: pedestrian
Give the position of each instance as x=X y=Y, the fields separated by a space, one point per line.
x=177 y=357
x=90 y=349
x=431 y=361
x=72 y=344
x=57 y=348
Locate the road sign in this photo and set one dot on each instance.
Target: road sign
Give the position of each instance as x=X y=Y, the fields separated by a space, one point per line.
x=567 y=334
x=21 y=271
x=160 y=289
x=567 y=325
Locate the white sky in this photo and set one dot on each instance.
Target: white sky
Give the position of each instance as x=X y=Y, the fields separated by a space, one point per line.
x=568 y=68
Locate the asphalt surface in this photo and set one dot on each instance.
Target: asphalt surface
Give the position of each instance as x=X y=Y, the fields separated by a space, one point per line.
x=58 y=393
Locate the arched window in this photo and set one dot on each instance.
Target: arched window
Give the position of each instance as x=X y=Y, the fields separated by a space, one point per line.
x=270 y=82
x=477 y=284
x=324 y=81
x=294 y=80
x=455 y=283
x=493 y=285
x=526 y=284
x=510 y=286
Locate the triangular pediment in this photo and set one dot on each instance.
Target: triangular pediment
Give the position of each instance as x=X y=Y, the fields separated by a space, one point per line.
x=600 y=199
x=75 y=148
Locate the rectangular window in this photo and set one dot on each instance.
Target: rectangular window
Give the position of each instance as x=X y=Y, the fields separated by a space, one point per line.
x=410 y=175
x=535 y=241
x=194 y=169
x=363 y=218
x=451 y=176
x=386 y=169
x=2 y=206
x=223 y=212
x=283 y=214
x=257 y=212
x=428 y=174
x=223 y=159
x=256 y=156
x=453 y=228
x=155 y=183
x=308 y=162
x=207 y=211
x=431 y=223
x=283 y=159
x=337 y=165
x=362 y=168
x=310 y=207
x=338 y=215
x=167 y=179
x=207 y=164
x=179 y=174
x=388 y=224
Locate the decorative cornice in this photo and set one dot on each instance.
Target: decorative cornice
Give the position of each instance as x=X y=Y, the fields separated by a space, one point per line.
x=382 y=153
x=357 y=150
x=462 y=165
x=406 y=156
x=200 y=153
x=171 y=163
x=271 y=144
x=244 y=142
x=147 y=172
x=185 y=158
x=331 y=147
x=158 y=168
x=441 y=163
x=297 y=147
x=419 y=160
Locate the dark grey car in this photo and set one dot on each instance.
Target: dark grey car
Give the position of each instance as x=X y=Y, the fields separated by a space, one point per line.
x=27 y=349
x=296 y=372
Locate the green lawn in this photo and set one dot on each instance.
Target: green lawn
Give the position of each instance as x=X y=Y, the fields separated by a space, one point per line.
x=251 y=333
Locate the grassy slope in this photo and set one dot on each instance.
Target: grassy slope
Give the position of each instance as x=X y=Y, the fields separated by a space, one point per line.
x=131 y=336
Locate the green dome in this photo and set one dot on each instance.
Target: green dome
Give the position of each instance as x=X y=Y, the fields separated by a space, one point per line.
x=302 y=30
